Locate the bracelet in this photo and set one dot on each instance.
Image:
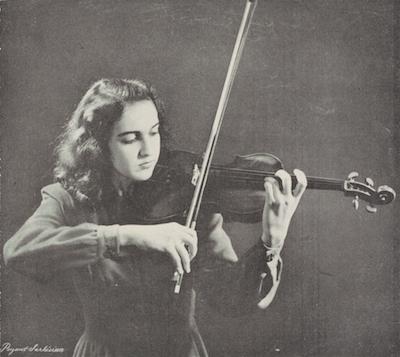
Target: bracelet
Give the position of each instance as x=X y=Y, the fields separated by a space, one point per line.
x=271 y=252
x=110 y=238
x=267 y=247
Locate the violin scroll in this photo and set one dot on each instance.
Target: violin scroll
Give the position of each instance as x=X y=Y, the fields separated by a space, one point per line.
x=367 y=192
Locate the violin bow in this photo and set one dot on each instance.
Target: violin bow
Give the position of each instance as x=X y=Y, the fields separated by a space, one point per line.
x=199 y=178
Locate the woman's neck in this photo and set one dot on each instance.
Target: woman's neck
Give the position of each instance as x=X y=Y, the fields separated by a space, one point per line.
x=120 y=182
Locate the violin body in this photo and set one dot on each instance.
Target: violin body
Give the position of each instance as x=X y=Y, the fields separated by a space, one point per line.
x=239 y=195
x=167 y=194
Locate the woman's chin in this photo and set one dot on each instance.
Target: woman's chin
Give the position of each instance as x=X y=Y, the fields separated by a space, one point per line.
x=143 y=175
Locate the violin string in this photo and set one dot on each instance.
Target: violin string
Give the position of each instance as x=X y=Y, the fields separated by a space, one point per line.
x=314 y=185
x=261 y=174
x=310 y=186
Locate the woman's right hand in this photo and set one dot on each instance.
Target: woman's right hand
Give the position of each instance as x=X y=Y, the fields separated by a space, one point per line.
x=178 y=241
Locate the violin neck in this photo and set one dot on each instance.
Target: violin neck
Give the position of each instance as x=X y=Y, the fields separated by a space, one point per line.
x=255 y=179
x=316 y=183
x=320 y=183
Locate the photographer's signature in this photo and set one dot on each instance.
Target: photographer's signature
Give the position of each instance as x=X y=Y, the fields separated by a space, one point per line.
x=10 y=349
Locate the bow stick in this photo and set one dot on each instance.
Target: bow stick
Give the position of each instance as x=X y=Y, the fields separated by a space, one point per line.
x=200 y=176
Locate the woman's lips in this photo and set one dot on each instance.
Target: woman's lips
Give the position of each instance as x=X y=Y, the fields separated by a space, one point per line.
x=146 y=165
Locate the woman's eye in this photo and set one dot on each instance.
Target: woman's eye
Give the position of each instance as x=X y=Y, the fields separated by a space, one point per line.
x=129 y=140
x=156 y=132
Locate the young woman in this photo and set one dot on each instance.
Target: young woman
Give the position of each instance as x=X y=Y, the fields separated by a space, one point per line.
x=87 y=225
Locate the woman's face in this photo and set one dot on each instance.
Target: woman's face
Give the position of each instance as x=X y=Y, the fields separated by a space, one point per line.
x=135 y=141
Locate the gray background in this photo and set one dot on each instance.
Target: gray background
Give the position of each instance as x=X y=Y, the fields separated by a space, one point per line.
x=316 y=86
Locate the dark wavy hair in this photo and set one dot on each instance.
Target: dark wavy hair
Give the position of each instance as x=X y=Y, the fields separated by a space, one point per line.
x=83 y=164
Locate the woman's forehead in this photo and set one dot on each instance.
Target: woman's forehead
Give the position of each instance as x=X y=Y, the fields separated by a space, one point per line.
x=137 y=116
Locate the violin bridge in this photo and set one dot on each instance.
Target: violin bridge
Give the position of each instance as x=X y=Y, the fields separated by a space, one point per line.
x=195 y=175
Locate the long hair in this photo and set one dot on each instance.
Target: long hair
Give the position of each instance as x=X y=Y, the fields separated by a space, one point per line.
x=83 y=164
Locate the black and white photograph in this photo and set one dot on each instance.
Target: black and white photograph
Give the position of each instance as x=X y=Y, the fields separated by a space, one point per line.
x=200 y=178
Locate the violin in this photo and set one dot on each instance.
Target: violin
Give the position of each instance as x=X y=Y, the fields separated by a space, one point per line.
x=236 y=190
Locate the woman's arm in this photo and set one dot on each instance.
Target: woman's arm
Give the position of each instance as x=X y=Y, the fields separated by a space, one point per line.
x=55 y=239
x=45 y=243
x=235 y=285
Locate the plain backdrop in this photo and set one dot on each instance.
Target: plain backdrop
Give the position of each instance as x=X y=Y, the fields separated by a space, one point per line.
x=317 y=86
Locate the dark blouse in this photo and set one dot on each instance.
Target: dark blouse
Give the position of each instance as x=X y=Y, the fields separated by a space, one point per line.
x=129 y=305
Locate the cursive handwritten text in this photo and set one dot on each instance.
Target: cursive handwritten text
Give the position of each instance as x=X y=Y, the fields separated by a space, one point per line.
x=7 y=347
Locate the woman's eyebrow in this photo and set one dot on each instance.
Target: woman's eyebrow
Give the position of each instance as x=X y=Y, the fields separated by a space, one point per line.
x=127 y=133
x=137 y=131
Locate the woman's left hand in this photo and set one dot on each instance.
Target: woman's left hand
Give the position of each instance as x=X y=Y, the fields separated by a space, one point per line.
x=280 y=206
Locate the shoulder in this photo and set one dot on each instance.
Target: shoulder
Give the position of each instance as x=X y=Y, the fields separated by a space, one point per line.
x=58 y=200
x=57 y=192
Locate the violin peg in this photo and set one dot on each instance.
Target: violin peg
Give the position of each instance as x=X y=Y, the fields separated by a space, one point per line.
x=356 y=202
x=371 y=209
x=369 y=181
x=352 y=175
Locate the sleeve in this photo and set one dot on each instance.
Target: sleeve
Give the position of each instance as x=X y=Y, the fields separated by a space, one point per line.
x=237 y=286
x=46 y=244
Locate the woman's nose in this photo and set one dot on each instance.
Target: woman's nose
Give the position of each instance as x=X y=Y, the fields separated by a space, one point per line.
x=145 y=149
